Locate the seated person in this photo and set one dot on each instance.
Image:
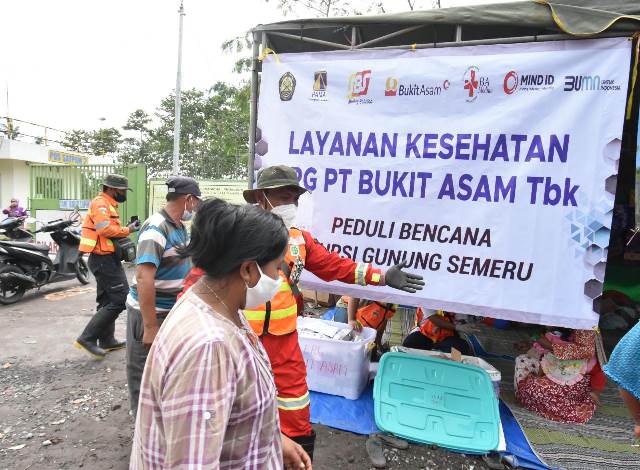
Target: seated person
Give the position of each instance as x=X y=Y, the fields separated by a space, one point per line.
x=558 y=376
x=436 y=332
x=361 y=312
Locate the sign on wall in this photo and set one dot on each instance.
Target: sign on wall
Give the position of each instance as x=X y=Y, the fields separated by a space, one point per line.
x=230 y=191
x=490 y=169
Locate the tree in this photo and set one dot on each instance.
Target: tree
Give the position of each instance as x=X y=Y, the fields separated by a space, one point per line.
x=213 y=137
x=77 y=140
x=105 y=141
x=10 y=129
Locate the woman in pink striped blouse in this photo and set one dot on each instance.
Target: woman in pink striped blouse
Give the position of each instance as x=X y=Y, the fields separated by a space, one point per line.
x=207 y=399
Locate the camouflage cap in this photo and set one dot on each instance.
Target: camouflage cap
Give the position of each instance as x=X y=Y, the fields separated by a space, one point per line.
x=117 y=182
x=278 y=176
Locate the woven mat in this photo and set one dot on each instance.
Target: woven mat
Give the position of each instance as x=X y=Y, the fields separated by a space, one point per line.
x=605 y=442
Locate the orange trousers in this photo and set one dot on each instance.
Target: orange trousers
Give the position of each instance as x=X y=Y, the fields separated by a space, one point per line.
x=290 y=374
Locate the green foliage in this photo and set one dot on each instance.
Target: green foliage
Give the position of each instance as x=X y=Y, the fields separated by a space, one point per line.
x=213 y=137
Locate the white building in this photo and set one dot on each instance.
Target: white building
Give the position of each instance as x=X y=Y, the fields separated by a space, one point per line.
x=15 y=158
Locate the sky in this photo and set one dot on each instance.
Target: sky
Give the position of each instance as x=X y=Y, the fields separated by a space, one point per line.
x=84 y=64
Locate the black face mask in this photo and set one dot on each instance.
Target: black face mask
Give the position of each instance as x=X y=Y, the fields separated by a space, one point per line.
x=120 y=197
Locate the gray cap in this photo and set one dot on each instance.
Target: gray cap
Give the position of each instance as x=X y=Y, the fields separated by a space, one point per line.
x=277 y=176
x=183 y=185
x=117 y=182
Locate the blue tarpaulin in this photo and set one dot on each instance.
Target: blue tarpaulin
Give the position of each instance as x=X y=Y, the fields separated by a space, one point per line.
x=357 y=416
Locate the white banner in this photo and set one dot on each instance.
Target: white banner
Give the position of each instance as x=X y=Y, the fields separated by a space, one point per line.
x=490 y=169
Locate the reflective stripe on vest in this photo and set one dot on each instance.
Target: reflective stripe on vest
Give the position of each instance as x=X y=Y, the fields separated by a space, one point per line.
x=293 y=404
x=284 y=306
x=90 y=240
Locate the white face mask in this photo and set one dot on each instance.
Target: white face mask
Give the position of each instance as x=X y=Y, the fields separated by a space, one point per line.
x=287 y=213
x=264 y=290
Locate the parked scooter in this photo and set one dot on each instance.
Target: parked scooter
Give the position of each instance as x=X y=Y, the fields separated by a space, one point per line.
x=26 y=265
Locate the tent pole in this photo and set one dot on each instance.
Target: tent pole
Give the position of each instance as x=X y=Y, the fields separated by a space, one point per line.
x=387 y=36
x=310 y=40
x=354 y=34
x=253 y=108
x=458 y=33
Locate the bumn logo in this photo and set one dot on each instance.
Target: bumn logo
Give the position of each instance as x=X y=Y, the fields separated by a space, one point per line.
x=581 y=83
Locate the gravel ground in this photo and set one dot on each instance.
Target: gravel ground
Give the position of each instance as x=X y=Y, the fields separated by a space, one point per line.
x=62 y=410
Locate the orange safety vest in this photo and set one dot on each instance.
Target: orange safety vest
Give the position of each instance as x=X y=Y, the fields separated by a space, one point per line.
x=435 y=333
x=278 y=317
x=374 y=314
x=91 y=242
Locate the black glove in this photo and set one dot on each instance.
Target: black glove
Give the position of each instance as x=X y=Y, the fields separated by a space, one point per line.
x=398 y=279
x=134 y=226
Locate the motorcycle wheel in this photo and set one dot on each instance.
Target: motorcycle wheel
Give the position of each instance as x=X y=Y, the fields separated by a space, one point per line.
x=82 y=271
x=15 y=293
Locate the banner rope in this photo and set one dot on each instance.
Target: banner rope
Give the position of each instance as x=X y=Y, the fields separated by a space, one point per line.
x=267 y=51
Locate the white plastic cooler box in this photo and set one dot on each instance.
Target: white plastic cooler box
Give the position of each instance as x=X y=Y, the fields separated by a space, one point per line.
x=494 y=374
x=334 y=366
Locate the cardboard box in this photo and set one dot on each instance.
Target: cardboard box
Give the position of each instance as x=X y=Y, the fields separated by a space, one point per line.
x=319 y=298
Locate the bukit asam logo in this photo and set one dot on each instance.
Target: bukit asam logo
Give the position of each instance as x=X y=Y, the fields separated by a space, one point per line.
x=527 y=82
x=475 y=84
x=394 y=88
x=359 y=87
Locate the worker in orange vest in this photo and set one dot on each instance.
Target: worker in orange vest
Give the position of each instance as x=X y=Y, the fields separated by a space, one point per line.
x=99 y=229
x=370 y=313
x=278 y=191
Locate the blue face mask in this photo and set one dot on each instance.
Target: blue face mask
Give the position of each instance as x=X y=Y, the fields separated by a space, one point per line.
x=186 y=215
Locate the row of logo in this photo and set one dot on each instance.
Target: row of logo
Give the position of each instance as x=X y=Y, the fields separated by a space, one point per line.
x=473 y=83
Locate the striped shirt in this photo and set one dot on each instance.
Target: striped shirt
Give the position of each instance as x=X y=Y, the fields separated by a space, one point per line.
x=159 y=237
x=208 y=399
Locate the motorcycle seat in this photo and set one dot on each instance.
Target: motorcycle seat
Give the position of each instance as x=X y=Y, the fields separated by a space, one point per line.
x=30 y=246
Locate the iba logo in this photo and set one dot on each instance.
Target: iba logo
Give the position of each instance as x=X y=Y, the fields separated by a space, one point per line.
x=391 y=88
x=475 y=84
x=287 y=86
x=359 y=87
x=319 y=86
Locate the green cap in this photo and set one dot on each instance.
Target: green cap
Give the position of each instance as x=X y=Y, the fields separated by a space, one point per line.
x=117 y=182
x=278 y=176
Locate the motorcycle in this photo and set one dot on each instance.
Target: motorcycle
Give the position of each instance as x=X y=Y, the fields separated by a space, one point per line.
x=25 y=265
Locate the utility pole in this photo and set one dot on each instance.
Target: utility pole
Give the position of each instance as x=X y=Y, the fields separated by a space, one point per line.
x=176 y=129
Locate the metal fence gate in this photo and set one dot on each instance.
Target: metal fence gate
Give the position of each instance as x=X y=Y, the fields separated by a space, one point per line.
x=58 y=188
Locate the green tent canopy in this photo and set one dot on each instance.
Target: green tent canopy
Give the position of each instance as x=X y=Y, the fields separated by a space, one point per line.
x=582 y=18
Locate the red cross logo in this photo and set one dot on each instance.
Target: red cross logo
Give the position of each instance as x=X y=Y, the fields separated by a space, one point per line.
x=471 y=83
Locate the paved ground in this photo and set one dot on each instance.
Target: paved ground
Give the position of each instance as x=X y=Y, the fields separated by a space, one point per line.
x=61 y=409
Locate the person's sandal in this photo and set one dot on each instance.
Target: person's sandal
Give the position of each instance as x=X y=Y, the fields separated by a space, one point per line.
x=393 y=441
x=375 y=452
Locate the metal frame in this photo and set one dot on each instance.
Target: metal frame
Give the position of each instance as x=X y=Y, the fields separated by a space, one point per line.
x=264 y=37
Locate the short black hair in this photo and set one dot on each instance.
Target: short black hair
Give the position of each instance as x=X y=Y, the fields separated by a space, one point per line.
x=173 y=196
x=225 y=235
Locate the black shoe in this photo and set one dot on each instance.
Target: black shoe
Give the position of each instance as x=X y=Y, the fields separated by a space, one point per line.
x=112 y=344
x=92 y=348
